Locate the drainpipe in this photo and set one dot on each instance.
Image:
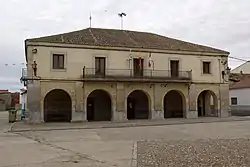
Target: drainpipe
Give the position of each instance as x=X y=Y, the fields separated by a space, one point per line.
x=154 y=99
x=219 y=87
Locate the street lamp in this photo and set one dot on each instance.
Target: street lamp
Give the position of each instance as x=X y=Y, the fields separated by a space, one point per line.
x=121 y=16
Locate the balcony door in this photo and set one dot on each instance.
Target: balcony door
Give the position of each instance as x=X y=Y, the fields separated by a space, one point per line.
x=138 y=67
x=174 y=67
x=100 y=66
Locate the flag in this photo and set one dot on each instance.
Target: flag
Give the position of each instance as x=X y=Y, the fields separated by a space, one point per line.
x=140 y=62
x=150 y=61
x=130 y=55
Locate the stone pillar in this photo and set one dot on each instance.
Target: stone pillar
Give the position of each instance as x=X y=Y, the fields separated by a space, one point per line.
x=33 y=102
x=77 y=113
x=192 y=103
x=157 y=103
x=224 y=100
x=120 y=113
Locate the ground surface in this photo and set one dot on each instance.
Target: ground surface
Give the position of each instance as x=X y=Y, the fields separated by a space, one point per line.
x=206 y=144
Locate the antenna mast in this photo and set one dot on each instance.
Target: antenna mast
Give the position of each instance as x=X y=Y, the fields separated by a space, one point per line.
x=90 y=20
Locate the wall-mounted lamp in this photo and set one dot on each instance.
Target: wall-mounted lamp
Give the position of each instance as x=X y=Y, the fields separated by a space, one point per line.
x=164 y=85
x=34 y=51
x=226 y=72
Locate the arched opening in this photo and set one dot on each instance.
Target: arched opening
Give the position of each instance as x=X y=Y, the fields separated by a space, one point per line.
x=99 y=106
x=137 y=105
x=207 y=104
x=57 y=106
x=173 y=105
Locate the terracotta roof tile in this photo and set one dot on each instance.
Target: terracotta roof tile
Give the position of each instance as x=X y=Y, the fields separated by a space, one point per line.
x=4 y=91
x=124 y=38
x=244 y=82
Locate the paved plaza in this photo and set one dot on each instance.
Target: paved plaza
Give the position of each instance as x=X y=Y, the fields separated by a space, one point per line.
x=201 y=144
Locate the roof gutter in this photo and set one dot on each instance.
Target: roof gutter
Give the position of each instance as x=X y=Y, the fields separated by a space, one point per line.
x=25 y=50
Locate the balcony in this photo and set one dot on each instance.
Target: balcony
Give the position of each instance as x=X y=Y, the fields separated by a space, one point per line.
x=24 y=76
x=90 y=74
x=24 y=73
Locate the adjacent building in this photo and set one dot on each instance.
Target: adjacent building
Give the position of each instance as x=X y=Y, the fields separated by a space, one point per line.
x=8 y=99
x=5 y=100
x=118 y=75
x=239 y=91
x=243 y=68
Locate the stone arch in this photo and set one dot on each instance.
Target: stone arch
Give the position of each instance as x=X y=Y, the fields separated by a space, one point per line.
x=207 y=104
x=174 y=104
x=57 y=106
x=99 y=106
x=138 y=105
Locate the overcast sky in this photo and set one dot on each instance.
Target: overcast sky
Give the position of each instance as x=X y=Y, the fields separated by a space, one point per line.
x=223 y=24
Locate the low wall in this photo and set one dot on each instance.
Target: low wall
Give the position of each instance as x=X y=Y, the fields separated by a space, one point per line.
x=240 y=110
x=2 y=106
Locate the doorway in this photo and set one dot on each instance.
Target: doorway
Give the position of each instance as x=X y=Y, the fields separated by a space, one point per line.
x=174 y=66
x=138 y=67
x=137 y=105
x=99 y=106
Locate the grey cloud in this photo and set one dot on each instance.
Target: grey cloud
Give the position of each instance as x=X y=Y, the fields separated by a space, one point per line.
x=223 y=24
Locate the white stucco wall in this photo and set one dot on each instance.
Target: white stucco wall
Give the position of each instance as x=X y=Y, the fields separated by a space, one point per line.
x=245 y=68
x=77 y=58
x=24 y=100
x=243 y=96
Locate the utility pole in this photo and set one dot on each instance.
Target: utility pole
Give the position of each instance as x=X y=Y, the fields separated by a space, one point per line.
x=121 y=16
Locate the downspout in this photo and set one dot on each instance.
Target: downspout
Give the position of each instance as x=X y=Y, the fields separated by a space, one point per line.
x=219 y=87
x=25 y=50
x=153 y=65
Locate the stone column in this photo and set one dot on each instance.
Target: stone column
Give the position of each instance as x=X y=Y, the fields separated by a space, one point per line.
x=224 y=100
x=33 y=102
x=120 y=114
x=192 y=102
x=157 y=103
x=77 y=113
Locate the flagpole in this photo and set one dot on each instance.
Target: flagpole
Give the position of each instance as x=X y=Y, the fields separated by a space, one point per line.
x=90 y=20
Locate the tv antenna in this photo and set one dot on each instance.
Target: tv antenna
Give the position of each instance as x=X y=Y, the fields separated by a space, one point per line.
x=121 y=16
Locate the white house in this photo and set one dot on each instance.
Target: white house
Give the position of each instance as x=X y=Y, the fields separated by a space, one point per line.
x=244 y=68
x=239 y=92
x=23 y=101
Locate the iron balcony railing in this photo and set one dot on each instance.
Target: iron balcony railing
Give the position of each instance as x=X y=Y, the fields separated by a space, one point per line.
x=24 y=73
x=24 y=76
x=129 y=73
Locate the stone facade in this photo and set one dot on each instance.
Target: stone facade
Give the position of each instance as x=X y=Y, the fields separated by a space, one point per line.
x=79 y=63
x=119 y=92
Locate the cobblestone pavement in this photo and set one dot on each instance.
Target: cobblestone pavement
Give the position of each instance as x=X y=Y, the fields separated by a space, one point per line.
x=118 y=146
x=200 y=153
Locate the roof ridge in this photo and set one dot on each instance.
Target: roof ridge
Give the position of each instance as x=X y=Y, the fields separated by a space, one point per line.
x=93 y=36
x=125 y=32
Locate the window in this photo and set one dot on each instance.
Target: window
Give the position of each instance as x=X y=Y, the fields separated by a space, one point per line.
x=234 y=101
x=206 y=68
x=100 y=65
x=58 y=61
